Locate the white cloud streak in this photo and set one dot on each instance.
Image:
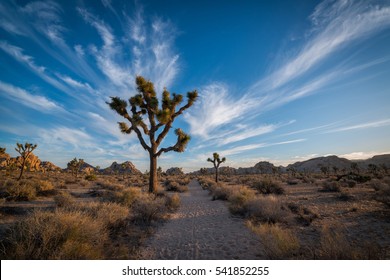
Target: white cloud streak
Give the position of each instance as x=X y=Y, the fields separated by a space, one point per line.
x=375 y=124
x=336 y=26
x=37 y=102
x=244 y=148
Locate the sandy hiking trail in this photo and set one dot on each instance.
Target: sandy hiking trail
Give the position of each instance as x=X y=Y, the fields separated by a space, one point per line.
x=202 y=229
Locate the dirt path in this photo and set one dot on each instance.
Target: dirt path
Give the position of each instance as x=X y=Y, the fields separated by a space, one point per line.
x=202 y=229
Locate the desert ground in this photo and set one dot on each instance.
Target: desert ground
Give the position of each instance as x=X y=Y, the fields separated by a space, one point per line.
x=54 y=215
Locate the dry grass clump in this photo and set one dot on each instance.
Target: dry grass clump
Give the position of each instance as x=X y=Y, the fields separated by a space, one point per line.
x=279 y=243
x=331 y=186
x=110 y=186
x=107 y=212
x=335 y=245
x=268 y=186
x=64 y=199
x=74 y=232
x=305 y=216
x=58 y=235
x=221 y=191
x=266 y=209
x=238 y=198
x=148 y=209
x=173 y=202
x=175 y=186
x=382 y=190
x=23 y=190
x=206 y=183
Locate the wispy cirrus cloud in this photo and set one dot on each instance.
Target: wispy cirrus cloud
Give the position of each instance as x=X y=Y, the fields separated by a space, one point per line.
x=37 y=102
x=366 y=125
x=336 y=25
x=243 y=148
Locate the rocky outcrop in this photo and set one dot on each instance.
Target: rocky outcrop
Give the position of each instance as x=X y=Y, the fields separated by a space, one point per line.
x=174 y=171
x=50 y=167
x=4 y=160
x=126 y=167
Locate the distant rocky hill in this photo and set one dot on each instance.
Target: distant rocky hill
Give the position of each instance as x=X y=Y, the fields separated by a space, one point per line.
x=126 y=167
x=315 y=164
x=311 y=165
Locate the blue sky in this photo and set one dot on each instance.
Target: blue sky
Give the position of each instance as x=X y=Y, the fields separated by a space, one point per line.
x=281 y=81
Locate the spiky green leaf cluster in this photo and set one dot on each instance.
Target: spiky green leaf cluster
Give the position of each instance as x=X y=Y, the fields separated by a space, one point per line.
x=26 y=149
x=216 y=159
x=182 y=140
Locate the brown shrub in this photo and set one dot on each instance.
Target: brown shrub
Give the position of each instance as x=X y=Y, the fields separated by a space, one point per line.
x=332 y=186
x=148 y=209
x=173 y=202
x=64 y=199
x=279 y=243
x=238 y=199
x=58 y=235
x=221 y=191
x=175 y=186
x=266 y=209
x=23 y=190
x=268 y=186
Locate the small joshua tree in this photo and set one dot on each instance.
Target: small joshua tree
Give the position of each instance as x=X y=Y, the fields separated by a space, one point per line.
x=74 y=166
x=25 y=152
x=216 y=161
x=145 y=103
x=2 y=151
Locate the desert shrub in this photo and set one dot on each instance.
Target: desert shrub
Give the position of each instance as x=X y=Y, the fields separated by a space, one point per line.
x=148 y=209
x=107 y=213
x=45 y=188
x=90 y=177
x=175 y=186
x=304 y=215
x=173 y=202
x=23 y=190
x=334 y=245
x=64 y=199
x=221 y=191
x=268 y=186
x=351 y=183
x=332 y=186
x=110 y=186
x=382 y=189
x=266 y=209
x=206 y=183
x=279 y=243
x=129 y=196
x=238 y=199
x=58 y=235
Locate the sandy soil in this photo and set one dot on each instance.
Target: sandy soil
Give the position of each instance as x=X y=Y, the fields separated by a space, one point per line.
x=202 y=229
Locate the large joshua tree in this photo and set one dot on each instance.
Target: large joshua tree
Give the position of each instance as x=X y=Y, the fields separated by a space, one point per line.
x=216 y=161
x=145 y=103
x=25 y=151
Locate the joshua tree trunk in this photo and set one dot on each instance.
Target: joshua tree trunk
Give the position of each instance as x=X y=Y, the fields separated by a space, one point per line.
x=216 y=174
x=153 y=173
x=22 y=169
